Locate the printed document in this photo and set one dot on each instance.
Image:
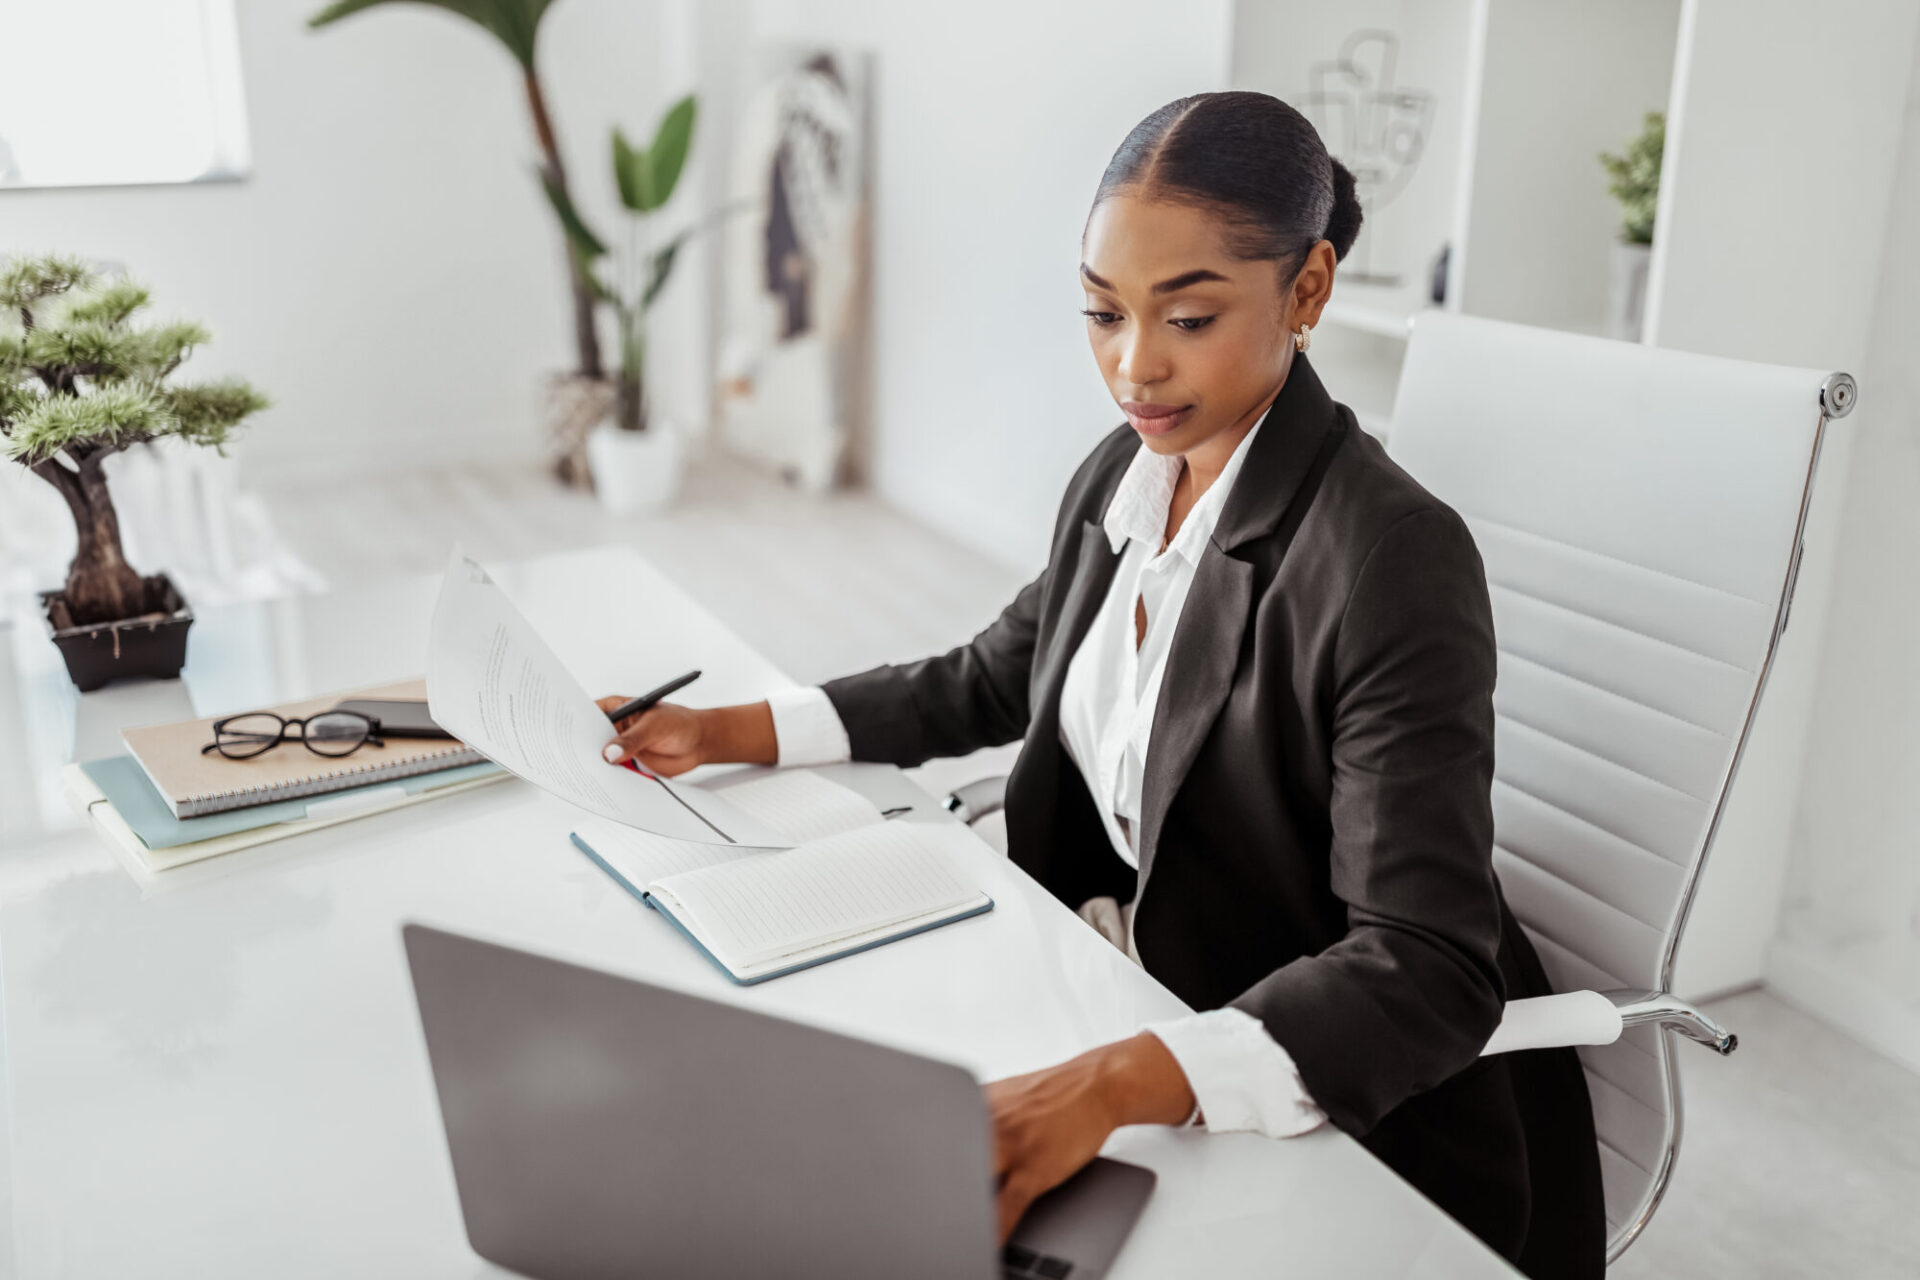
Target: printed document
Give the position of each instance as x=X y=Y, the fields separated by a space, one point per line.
x=496 y=686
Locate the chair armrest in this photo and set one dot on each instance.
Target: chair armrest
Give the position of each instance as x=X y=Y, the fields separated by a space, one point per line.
x=1598 y=1017
x=1640 y=1007
x=977 y=799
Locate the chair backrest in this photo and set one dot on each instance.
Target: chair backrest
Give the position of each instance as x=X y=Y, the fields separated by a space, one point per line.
x=1639 y=512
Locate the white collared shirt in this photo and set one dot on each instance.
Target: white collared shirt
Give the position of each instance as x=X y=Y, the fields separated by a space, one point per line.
x=1242 y=1078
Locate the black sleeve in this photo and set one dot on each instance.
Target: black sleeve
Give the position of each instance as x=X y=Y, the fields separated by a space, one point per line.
x=1410 y=994
x=976 y=694
x=972 y=696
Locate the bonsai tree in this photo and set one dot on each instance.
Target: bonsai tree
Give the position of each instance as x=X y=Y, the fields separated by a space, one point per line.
x=79 y=382
x=646 y=178
x=1635 y=178
x=516 y=23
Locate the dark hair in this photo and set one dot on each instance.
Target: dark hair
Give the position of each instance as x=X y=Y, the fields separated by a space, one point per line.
x=1250 y=158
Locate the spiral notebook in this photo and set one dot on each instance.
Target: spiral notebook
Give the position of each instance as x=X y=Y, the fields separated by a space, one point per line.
x=193 y=784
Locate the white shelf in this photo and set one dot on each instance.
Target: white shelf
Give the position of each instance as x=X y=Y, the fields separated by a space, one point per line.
x=1386 y=310
x=1384 y=321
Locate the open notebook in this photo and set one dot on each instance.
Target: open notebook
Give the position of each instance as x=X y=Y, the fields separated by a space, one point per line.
x=853 y=880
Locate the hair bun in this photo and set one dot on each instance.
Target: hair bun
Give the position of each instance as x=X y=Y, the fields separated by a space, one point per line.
x=1343 y=225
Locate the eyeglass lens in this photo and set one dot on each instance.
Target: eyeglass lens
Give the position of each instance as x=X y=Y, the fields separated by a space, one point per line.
x=248 y=735
x=335 y=733
x=331 y=733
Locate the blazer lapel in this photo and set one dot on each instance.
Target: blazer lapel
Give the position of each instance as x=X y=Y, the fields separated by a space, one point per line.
x=1092 y=575
x=1200 y=666
x=1205 y=651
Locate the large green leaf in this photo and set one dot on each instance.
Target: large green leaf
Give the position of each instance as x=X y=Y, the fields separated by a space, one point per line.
x=661 y=268
x=585 y=243
x=669 y=149
x=632 y=173
x=515 y=22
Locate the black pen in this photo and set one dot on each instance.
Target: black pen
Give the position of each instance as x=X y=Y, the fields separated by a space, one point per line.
x=646 y=700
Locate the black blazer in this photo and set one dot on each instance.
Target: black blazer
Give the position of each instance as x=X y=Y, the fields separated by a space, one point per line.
x=1316 y=827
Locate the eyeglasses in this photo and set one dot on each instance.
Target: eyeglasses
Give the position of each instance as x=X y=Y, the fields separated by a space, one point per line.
x=331 y=733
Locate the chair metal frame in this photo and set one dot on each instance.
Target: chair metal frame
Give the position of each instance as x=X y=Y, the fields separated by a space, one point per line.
x=1662 y=1008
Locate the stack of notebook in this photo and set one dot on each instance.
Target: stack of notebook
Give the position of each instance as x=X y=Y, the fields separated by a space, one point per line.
x=166 y=803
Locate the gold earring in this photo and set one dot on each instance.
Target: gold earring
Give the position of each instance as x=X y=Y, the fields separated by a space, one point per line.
x=1303 y=339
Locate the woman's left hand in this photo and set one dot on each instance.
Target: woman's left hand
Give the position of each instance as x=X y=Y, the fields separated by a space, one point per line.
x=1047 y=1124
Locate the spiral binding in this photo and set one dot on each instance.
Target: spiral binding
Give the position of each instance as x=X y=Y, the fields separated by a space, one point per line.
x=321 y=783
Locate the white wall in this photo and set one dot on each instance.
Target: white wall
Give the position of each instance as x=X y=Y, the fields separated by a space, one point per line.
x=1783 y=131
x=389 y=273
x=994 y=122
x=1850 y=931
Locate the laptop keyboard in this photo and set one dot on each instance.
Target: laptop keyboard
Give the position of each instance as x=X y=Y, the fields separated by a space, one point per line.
x=1024 y=1264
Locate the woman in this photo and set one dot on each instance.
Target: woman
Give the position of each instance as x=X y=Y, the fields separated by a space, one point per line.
x=1254 y=685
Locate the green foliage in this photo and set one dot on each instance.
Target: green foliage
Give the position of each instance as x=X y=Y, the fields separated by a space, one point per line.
x=645 y=178
x=515 y=22
x=110 y=417
x=77 y=376
x=1634 y=178
x=668 y=154
x=632 y=173
x=205 y=412
x=584 y=242
x=110 y=303
x=27 y=280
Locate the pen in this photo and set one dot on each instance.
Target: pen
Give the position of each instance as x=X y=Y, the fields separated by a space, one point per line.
x=645 y=700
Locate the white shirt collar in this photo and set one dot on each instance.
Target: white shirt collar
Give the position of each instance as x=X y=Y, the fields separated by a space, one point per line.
x=1139 y=506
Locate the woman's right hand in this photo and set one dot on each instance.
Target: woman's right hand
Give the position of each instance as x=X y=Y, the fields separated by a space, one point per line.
x=666 y=738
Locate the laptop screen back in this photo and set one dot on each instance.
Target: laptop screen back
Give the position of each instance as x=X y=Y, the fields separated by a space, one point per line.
x=601 y=1126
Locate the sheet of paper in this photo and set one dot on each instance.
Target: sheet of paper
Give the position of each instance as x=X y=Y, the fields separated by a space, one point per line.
x=643 y=857
x=750 y=912
x=802 y=805
x=495 y=685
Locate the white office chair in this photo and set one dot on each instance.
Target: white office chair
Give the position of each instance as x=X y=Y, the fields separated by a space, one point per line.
x=1640 y=514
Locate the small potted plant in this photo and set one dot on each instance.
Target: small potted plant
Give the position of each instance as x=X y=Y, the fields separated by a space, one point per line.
x=79 y=382
x=635 y=459
x=1633 y=180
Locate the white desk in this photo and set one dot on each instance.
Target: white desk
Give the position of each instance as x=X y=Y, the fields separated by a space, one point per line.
x=219 y=1073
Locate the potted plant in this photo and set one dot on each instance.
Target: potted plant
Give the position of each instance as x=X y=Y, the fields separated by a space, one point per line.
x=79 y=382
x=579 y=398
x=1634 y=180
x=635 y=459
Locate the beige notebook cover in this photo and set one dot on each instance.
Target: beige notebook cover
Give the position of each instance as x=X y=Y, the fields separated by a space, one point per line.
x=194 y=784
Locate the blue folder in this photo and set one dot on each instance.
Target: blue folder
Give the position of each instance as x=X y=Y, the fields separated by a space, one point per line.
x=126 y=785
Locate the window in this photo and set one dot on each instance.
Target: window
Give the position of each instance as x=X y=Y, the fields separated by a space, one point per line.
x=120 y=91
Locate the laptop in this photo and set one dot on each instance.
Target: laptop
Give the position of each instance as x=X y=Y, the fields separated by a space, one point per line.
x=600 y=1127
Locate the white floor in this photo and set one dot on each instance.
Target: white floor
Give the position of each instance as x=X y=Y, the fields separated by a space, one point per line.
x=1801 y=1155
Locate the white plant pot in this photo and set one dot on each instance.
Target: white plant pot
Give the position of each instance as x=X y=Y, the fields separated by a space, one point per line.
x=636 y=470
x=1627 y=289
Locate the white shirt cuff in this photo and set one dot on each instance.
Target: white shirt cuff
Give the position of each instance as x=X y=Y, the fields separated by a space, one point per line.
x=806 y=728
x=1241 y=1076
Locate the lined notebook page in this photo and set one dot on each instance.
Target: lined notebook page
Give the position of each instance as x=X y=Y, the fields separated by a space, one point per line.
x=760 y=908
x=801 y=804
x=642 y=857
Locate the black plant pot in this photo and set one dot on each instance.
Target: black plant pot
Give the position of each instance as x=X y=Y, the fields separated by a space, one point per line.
x=153 y=644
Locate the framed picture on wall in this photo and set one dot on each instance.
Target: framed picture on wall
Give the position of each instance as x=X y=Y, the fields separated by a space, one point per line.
x=792 y=359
